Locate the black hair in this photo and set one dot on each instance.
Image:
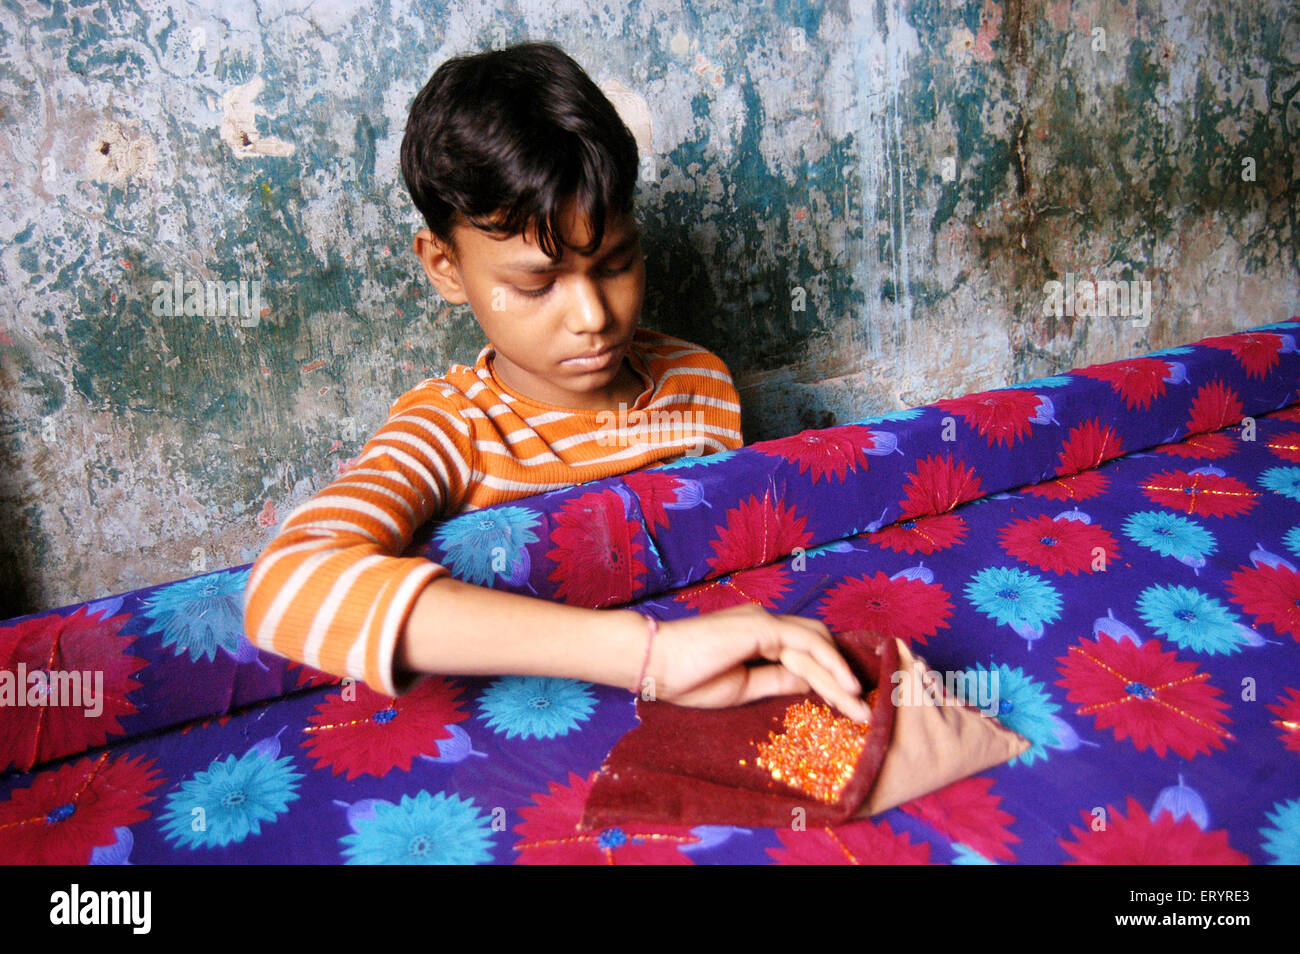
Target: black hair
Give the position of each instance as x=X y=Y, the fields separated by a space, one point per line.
x=504 y=138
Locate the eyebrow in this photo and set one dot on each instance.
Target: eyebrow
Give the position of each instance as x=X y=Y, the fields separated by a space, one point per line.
x=541 y=268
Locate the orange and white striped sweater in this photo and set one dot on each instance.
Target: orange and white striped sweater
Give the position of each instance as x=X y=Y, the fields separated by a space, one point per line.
x=333 y=591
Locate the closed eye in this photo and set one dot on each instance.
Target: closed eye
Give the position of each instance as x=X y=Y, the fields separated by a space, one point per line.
x=621 y=269
x=534 y=292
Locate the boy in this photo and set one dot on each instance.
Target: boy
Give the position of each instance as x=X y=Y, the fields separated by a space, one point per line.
x=524 y=173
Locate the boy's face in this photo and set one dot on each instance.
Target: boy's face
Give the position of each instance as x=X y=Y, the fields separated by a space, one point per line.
x=545 y=318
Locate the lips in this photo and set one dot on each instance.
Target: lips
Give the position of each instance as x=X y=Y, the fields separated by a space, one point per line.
x=593 y=358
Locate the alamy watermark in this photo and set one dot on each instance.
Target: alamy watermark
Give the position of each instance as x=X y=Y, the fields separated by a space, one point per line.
x=77 y=906
x=1102 y=298
x=970 y=687
x=625 y=428
x=77 y=689
x=240 y=299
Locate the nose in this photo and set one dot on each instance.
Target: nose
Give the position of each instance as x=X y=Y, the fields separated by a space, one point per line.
x=587 y=312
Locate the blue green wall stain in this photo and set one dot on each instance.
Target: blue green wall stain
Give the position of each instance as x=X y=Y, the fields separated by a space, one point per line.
x=798 y=145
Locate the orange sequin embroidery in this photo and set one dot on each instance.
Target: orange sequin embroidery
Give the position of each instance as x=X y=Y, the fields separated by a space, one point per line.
x=816 y=751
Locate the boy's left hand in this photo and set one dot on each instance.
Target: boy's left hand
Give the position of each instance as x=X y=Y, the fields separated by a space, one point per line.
x=705 y=661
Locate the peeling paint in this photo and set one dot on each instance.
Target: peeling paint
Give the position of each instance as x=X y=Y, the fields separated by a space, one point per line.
x=857 y=203
x=116 y=155
x=239 y=112
x=634 y=112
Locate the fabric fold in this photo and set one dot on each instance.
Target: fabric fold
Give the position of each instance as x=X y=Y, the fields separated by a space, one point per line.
x=794 y=760
x=174 y=653
x=707 y=517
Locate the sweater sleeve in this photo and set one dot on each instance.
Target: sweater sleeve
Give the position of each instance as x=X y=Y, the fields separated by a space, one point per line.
x=332 y=589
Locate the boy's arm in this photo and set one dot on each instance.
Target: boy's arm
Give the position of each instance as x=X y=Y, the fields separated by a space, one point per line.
x=457 y=628
x=333 y=592
x=332 y=589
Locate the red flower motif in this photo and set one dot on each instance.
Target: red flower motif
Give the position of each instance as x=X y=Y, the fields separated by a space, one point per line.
x=1082 y=486
x=373 y=734
x=1201 y=446
x=1287 y=414
x=909 y=609
x=1257 y=350
x=549 y=834
x=1216 y=406
x=1138 y=381
x=938 y=485
x=832 y=452
x=1146 y=694
x=765 y=585
x=202 y=724
x=1061 y=546
x=757 y=532
x=1271 y=594
x=1135 y=839
x=596 y=551
x=924 y=535
x=68 y=812
x=307 y=676
x=1089 y=445
x=1206 y=495
x=858 y=843
x=1288 y=719
x=654 y=491
x=967 y=811
x=81 y=644
x=1001 y=417
x=1286 y=446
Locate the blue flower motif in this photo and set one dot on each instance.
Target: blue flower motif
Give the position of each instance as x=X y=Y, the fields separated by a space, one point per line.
x=1024 y=707
x=1292 y=540
x=484 y=543
x=1191 y=619
x=966 y=855
x=704 y=460
x=536 y=706
x=1171 y=535
x=422 y=830
x=1181 y=349
x=201 y=615
x=1282 y=480
x=905 y=414
x=1015 y=597
x=1055 y=381
x=230 y=800
x=1283 y=840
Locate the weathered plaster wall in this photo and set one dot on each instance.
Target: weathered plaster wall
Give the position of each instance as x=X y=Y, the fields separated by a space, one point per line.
x=857 y=204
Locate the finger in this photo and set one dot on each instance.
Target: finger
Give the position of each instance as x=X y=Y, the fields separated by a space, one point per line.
x=745 y=684
x=825 y=685
x=822 y=647
x=772 y=679
x=812 y=625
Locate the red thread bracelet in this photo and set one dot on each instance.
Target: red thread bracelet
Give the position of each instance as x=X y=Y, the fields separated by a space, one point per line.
x=650 y=640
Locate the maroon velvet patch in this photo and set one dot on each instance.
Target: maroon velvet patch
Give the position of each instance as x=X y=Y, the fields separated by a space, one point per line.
x=702 y=766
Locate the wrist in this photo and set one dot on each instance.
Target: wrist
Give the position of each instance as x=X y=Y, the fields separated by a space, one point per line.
x=645 y=683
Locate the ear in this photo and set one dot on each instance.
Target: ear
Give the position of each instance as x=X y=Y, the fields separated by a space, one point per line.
x=441 y=267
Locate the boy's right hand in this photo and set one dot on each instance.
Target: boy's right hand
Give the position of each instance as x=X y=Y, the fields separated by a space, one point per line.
x=707 y=661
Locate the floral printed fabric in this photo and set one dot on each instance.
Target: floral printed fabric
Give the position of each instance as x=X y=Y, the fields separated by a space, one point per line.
x=1119 y=546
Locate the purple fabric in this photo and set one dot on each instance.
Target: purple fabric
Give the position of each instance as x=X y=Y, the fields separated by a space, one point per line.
x=1140 y=613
